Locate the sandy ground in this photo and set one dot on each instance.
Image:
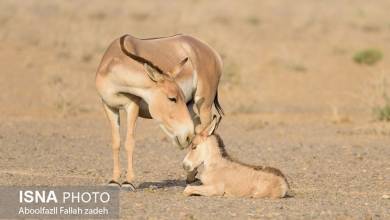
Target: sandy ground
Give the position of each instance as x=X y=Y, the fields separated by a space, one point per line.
x=294 y=99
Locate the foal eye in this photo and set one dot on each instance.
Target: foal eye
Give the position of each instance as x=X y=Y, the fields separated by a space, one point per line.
x=173 y=99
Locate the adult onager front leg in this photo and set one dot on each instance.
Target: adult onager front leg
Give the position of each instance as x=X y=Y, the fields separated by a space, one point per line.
x=113 y=117
x=132 y=110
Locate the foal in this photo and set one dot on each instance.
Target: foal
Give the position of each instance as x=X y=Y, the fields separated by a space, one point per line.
x=224 y=176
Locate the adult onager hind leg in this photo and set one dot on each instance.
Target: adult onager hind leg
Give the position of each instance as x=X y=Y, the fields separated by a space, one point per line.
x=157 y=78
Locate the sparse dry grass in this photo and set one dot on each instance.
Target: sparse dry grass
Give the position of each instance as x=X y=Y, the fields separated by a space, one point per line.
x=253 y=20
x=368 y=56
x=382 y=111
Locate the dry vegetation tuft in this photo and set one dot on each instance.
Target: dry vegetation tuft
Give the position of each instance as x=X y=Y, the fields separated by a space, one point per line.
x=368 y=56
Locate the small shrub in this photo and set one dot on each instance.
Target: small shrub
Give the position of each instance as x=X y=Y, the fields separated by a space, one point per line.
x=368 y=56
x=87 y=57
x=378 y=96
x=253 y=20
x=383 y=112
x=370 y=28
x=297 y=67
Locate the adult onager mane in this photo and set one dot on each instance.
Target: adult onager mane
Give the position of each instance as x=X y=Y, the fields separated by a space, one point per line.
x=158 y=78
x=223 y=175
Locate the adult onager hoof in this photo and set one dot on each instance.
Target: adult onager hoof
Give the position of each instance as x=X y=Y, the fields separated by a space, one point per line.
x=127 y=186
x=114 y=183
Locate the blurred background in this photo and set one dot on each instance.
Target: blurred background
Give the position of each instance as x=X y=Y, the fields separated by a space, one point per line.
x=305 y=88
x=283 y=60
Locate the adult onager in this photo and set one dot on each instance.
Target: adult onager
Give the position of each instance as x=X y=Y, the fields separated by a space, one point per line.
x=157 y=78
x=224 y=176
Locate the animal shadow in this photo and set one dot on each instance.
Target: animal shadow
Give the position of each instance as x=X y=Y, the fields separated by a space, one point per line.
x=162 y=184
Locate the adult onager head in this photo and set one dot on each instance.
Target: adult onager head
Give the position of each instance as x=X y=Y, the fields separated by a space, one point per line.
x=157 y=78
x=166 y=103
x=225 y=176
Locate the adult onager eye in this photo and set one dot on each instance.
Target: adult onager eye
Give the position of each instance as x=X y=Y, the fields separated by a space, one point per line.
x=173 y=99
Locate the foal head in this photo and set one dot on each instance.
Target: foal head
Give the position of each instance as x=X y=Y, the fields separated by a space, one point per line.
x=199 y=149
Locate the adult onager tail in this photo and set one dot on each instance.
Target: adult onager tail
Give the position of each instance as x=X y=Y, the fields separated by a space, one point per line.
x=157 y=78
x=224 y=176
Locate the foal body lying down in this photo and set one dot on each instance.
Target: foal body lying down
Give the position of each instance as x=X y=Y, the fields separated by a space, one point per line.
x=224 y=176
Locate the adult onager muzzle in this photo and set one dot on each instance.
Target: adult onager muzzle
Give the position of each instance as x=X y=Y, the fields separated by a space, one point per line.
x=183 y=138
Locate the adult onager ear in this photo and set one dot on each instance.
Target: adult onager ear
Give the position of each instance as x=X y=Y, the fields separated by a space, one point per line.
x=153 y=74
x=209 y=130
x=178 y=68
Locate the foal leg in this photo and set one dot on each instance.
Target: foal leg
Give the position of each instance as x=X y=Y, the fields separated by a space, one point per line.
x=132 y=110
x=210 y=190
x=113 y=117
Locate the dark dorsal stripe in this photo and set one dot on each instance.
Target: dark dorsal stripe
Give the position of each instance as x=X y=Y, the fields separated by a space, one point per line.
x=137 y=58
x=225 y=155
x=156 y=38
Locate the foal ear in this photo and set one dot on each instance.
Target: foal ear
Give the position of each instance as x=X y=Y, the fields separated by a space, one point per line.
x=178 y=68
x=209 y=130
x=153 y=74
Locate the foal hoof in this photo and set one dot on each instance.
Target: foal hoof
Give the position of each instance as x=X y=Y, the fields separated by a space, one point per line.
x=114 y=183
x=127 y=186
